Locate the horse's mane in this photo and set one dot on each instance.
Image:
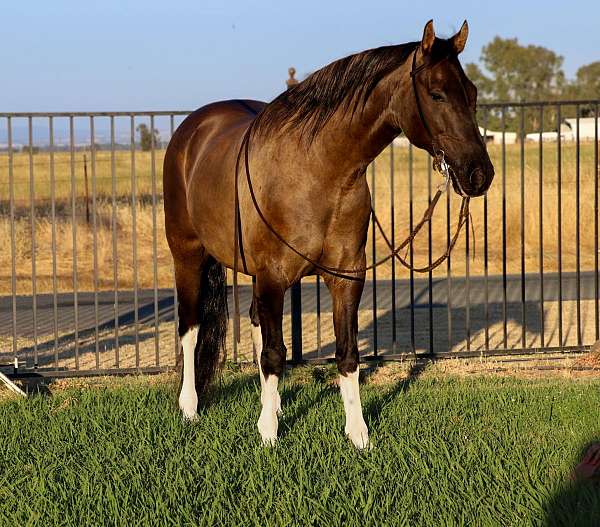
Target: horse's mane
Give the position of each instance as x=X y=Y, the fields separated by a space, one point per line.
x=346 y=83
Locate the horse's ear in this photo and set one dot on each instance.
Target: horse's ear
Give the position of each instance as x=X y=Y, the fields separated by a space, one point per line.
x=428 y=38
x=460 y=39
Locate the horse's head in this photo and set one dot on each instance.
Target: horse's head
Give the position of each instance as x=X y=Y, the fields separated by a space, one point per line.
x=437 y=113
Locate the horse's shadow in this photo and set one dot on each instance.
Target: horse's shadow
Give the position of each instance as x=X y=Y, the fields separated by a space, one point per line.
x=461 y=315
x=444 y=329
x=374 y=405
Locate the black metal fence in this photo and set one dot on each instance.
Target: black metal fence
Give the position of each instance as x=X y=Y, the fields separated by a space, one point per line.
x=87 y=280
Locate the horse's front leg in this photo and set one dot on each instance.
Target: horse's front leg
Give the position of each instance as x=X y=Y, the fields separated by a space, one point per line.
x=346 y=295
x=269 y=294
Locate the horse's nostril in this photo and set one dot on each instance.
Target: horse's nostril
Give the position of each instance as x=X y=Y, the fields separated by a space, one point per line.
x=477 y=178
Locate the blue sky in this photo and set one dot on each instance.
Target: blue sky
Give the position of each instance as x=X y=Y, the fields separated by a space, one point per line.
x=180 y=54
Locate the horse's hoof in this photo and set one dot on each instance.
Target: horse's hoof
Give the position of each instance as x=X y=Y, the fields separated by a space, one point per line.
x=188 y=409
x=189 y=417
x=267 y=426
x=360 y=438
x=268 y=442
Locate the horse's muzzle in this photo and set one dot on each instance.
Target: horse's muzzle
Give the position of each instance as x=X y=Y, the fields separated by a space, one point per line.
x=476 y=180
x=480 y=181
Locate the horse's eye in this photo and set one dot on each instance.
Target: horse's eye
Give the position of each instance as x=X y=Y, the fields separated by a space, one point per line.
x=437 y=97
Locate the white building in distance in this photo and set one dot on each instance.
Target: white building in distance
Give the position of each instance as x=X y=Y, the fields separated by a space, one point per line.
x=493 y=137
x=568 y=131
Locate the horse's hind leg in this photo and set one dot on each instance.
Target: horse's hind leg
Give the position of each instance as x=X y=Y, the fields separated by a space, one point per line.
x=257 y=343
x=255 y=327
x=268 y=297
x=346 y=295
x=188 y=278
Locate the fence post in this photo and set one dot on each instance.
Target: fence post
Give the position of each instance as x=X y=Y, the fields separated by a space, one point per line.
x=87 y=195
x=296 y=289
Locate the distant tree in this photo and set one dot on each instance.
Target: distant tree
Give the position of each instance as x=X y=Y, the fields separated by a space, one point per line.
x=586 y=85
x=519 y=73
x=146 y=137
x=513 y=72
x=588 y=81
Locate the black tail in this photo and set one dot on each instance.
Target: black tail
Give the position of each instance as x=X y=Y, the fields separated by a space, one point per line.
x=210 y=352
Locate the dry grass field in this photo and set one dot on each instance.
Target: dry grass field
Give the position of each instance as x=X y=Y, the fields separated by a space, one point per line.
x=148 y=231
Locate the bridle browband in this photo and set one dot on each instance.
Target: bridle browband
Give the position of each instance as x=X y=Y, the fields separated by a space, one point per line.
x=439 y=164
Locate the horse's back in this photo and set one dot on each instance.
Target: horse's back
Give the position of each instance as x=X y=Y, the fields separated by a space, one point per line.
x=203 y=146
x=200 y=128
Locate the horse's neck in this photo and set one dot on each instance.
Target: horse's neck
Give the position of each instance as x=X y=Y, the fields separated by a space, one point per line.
x=349 y=143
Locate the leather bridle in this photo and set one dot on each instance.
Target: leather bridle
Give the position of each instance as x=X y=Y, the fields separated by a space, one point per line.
x=439 y=164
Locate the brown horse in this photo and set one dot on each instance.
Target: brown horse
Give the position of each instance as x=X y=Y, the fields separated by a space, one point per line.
x=308 y=151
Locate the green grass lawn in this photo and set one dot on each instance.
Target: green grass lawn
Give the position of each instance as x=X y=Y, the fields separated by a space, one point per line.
x=453 y=451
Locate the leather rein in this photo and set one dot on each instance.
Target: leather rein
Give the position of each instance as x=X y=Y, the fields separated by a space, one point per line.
x=439 y=164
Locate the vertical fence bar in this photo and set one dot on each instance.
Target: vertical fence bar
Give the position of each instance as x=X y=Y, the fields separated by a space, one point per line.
x=33 y=244
x=74 y=236
x=413 y=345
x=13 y=243
x=95 y=238
x=393 y=242
x=577 y=228
x=522 y=182
x=318 y=291
x=504 y=283
x=113 y=178
x=175 y=299
x=154 y=241
x=596 y=288
x=374 y=259
x=541 y=220
x=448 y=274
x=485 y=254
x=134 y=243
x=296 y=316
x=429 y=261
x=467 y=285
x=559 y=220
x=53 y=234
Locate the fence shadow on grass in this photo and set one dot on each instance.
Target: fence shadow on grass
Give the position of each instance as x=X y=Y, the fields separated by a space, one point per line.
x=373 y=406
x=297 y=400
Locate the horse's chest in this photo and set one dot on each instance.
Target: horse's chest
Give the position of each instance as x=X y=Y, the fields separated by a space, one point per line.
x=349 y=220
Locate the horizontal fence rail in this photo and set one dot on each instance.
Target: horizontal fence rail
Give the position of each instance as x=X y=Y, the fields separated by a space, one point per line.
x=88 y=282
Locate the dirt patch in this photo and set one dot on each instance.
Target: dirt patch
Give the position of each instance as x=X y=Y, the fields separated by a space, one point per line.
x=576 y=366
x=591 y=359
x=6 y=394
x=114 y=381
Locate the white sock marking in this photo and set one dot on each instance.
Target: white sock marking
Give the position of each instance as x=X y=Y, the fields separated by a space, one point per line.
x=356 y=428
x=267 y=422
x=188 y=398
x=257 y=343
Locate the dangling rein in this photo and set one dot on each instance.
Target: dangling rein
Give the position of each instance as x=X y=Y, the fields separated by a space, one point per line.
x=339 y=271
x=348 y=274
